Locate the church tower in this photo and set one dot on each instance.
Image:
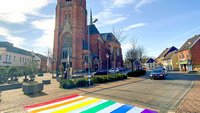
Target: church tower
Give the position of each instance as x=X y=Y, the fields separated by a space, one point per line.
x=70 y=31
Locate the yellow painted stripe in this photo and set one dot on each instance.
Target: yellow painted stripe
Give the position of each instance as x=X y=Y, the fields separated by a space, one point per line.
x=83 y=104
x=57 y=105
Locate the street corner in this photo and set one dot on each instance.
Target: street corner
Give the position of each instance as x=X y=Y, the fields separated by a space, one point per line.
x=76 y=103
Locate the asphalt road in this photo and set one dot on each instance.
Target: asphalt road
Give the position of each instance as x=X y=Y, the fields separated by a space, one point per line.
x=161 y=95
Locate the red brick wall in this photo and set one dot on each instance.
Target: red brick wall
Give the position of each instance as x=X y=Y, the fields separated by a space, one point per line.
x=185 y=52
x=195 y=51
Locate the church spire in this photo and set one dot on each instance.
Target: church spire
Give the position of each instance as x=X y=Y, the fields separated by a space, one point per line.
x=91 y=17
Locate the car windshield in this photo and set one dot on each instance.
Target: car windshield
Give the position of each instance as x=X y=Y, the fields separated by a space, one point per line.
x=156 y=71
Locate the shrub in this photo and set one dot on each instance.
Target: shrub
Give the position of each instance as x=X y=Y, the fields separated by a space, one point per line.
x=108 y=78
x=40 y=75
x=72 y=83
x=67 y=84
x=136 y=73
x=81 y=82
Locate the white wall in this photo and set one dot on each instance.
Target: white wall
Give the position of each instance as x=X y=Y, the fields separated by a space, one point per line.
x=14 y=59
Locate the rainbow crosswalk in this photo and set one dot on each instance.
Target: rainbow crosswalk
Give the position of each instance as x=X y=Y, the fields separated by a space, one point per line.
x=81 y=104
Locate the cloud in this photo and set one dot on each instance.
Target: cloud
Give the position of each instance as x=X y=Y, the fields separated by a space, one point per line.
x=108 y=18
x=121 y=3
x=47 y=27
x=134 y=26
x=17 y=41
x=142 y=3
x=17 y=11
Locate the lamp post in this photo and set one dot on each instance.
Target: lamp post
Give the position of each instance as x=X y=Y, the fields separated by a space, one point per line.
x=53 y=60
x=91 y=22
x=107 y=56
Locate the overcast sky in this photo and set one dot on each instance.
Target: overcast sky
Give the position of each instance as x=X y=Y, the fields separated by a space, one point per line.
x=155 y=24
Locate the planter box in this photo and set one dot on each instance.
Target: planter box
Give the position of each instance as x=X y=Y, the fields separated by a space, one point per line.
x=5 y=87
x=46 y=81
x=32 y=88
x=40 y=75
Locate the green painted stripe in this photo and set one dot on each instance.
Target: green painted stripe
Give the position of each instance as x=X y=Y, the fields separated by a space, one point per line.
x=99 y=107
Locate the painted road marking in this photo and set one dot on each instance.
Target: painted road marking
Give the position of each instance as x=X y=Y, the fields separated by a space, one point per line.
x=82 y=104
x=123 y=109
x=135 y=110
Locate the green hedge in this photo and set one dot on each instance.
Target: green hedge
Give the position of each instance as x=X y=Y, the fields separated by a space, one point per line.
x=108 y=78
x=83 y=82
x=136 y=73
x=72 y=83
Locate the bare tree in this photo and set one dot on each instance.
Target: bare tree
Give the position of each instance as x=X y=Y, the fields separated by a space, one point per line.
x=140 y=52
x=119 y=38
x=132 y=54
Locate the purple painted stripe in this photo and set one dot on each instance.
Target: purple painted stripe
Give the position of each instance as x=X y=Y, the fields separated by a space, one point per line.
x=148 y=111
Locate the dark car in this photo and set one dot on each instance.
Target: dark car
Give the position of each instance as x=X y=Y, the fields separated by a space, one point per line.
x=101 y=72
x=157 y=74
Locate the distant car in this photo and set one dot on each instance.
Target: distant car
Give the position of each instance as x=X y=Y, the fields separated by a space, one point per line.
x=112 y=70
x=101 y=72
x=121 y=69
x=157 y=73
x=163 y=69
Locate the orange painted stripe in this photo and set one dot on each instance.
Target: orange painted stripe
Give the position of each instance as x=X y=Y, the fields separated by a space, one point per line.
x=57 y=105
x=51 y=101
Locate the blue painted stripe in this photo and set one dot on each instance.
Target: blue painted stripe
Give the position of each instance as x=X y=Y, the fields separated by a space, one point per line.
x=123 y=109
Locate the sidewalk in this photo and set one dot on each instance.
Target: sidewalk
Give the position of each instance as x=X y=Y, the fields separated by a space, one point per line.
x=14 y=100
x=191 y=104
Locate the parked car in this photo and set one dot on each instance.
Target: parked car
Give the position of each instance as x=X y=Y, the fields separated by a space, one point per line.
x=163 y=69
x=101 y=72
x=121 y=69
x=157 y=73
x=112 y=70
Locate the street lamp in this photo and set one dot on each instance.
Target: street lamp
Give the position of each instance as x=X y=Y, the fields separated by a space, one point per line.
x=91 y=22
x=53 y=60
x=107 y=56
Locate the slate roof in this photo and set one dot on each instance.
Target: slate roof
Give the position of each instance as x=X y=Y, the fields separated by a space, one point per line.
x=150 y=60
x=170 y=55
x=167 y=51
x=189 y=43
x=41 y=56
x=163 y=53
x=108 y=37
x=93 y=29
x=11 y=48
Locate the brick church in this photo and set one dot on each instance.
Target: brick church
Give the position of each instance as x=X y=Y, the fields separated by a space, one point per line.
x=71 y=40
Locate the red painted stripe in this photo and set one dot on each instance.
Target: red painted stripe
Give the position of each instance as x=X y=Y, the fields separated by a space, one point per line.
x=51 y=101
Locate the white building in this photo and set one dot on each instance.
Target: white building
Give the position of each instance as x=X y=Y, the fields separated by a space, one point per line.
x=150 y=64
x=13 y=56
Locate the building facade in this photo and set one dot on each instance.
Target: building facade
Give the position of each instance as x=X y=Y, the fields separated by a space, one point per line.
x=162 y=59
x=150 y=64
x=189 y=55
x=13 y=56
x=170 y=61
x=71 y=39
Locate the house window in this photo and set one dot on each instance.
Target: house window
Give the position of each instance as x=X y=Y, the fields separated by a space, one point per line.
x=9 y=57
x=14 y=58
x=6 y=57
x=183 y=56
x=20 y=59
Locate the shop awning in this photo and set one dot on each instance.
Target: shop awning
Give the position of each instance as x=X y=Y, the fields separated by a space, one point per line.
x=183 y=62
